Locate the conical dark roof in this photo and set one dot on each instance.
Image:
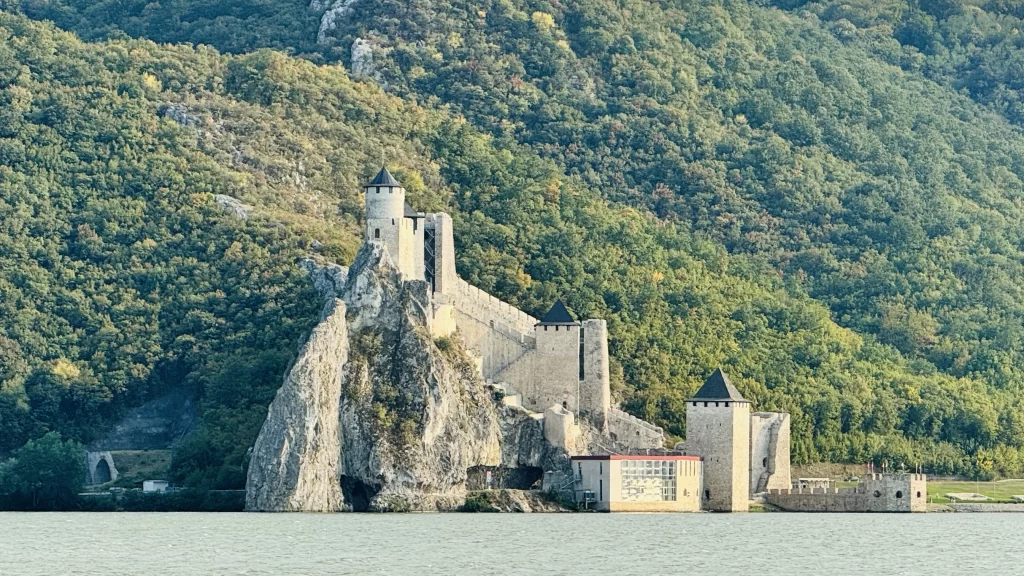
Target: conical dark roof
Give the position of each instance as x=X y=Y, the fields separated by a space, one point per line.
x=410 y=212
x=718 y=387
x=558 y=315
x=384 y=178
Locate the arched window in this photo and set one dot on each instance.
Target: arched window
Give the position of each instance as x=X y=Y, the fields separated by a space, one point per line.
x=376 y=233
x=918 y=493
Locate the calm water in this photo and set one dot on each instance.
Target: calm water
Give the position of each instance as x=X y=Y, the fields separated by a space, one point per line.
x=467 y=544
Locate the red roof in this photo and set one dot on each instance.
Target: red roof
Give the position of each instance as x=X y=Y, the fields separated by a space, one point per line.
x=636 y=457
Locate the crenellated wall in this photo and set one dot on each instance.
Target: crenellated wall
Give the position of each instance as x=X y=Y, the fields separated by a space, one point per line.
x=876 y=493
x=474 y=302
x=630 y=432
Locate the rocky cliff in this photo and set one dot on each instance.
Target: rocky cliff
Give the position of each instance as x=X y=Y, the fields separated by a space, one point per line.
x=296 y=462
x=378 y=415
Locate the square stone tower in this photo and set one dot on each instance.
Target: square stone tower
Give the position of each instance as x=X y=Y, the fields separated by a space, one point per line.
x=718 y=430
x=557 y=365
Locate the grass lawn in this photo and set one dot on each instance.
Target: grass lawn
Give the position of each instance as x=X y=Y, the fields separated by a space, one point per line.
x=1002 y=491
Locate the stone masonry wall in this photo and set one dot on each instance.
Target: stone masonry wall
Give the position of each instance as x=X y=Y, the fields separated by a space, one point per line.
x=631 y=432
x=769 y=452
x=876 y=493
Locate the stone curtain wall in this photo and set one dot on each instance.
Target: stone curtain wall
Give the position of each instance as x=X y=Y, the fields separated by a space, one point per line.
x=474 y=302
x=877 y=493
x=631 y=432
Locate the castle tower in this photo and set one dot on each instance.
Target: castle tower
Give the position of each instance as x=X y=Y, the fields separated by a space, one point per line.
x=718 y=430
x=389 y=220
x=557 y=368
x=595 y=386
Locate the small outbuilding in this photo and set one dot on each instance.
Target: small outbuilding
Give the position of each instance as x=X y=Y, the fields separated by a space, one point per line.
x=155 y=485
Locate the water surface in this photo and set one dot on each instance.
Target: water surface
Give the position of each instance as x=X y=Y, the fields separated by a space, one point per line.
x=105 y=544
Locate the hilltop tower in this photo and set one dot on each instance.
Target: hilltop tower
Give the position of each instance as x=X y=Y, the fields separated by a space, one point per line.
x=390 y=221
x=718 y=430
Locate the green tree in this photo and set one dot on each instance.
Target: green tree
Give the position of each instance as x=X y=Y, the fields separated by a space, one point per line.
x=46 y=473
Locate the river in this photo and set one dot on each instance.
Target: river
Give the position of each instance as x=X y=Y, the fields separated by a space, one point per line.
x=104 y=544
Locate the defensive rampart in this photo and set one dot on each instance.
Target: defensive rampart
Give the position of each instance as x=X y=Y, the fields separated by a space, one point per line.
x=632 y=432
x=877 y=493
x=499 y=332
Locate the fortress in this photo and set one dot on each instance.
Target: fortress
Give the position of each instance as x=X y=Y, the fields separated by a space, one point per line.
x=557 y=369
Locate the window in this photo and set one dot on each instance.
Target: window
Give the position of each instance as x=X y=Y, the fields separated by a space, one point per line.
x=707 y=494
x=899 y=494
x=726 y=404
x=648 y=481
x=918 y=493
x=392 y=221
x=376 y=233
x=764 y=462
x=705 y=404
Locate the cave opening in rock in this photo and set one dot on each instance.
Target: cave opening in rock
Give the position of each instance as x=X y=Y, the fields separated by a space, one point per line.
x=357 y=493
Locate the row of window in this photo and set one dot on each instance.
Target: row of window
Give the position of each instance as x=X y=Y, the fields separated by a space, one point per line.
x=648 y=481
x=715 y=403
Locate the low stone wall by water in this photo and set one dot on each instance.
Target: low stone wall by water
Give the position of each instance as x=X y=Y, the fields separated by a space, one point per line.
x=987 y=507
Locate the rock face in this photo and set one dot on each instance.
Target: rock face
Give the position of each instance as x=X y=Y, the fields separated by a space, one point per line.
x=295 y=463
x=333 y=12
x=414 y=418
x=375 y=415
x=156 y=425
x=362 y=58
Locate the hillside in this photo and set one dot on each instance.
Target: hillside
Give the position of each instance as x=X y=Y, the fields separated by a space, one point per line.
x=719 y=181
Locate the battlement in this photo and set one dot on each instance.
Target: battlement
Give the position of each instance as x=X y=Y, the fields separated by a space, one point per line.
x=875 y=493
x=629 y=431
x=485 y=308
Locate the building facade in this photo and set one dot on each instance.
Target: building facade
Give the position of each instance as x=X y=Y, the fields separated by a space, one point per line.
x=638 y=483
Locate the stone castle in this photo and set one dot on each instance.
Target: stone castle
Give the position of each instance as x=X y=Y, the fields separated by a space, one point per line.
x=555 y=361
x=378 y=413
x=559 y=366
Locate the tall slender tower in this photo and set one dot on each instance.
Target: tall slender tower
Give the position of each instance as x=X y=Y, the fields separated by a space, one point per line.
x=718 y=430
x=389 y=222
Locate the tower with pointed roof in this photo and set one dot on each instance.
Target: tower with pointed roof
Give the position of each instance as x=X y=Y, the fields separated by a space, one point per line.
x=390 y=221
x=718 y=430
x=557 y=364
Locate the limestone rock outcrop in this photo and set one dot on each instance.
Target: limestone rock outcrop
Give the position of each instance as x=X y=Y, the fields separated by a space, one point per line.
x=375 y=414
x=295 y=463
x=414 y=417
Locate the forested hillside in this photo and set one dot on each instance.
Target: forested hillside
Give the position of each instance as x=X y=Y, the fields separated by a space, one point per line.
x=723 y=181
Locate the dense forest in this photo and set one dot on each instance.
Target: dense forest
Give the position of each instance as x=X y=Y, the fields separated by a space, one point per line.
x=824 y=198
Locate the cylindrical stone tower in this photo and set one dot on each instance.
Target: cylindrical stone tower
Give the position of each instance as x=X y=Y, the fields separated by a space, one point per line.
x=385 y=210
